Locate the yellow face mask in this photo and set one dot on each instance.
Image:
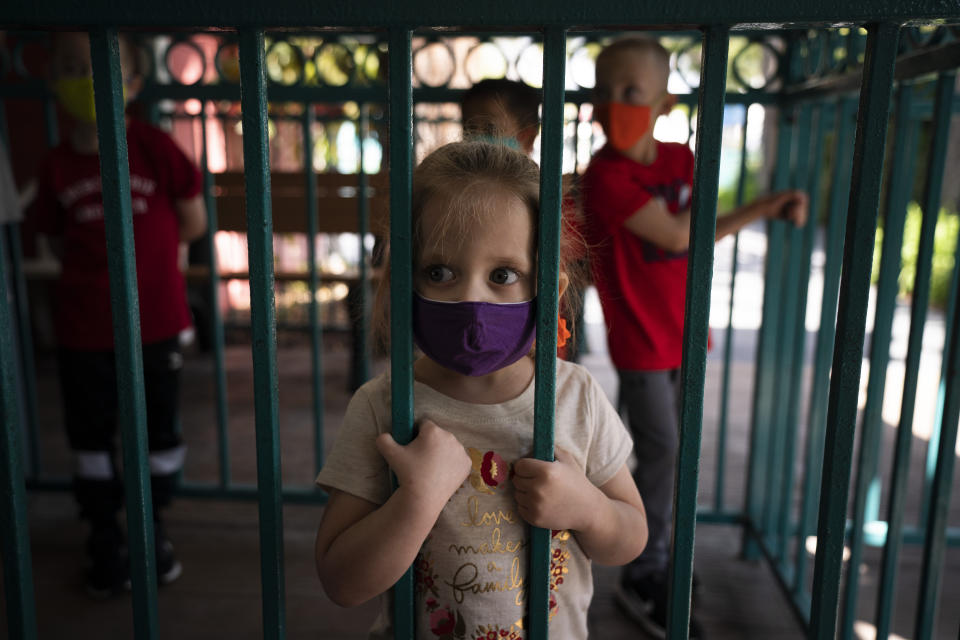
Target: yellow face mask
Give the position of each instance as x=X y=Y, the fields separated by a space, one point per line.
x=75 y=95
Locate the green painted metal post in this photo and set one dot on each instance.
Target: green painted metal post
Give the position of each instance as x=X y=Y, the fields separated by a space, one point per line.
x=826 y=119
x=401 y=280
x=933 y=444
x=548 y=274
x=792 y=316
x=807 y=178
x=816 y=416
x=851 y=321
x=14 y=533
x=50 y=127
x=131 y=400
x=216 y=321
x=24 y=322
x=935 y=539
x=759 y=462
x=256 y=162
x=898 y=192
x=798 y=120
x=901 y=461
x=935 y=535
x=363 y=229
x=25 y=336
x=703 y=209
x=316 y=328
x=728 y=339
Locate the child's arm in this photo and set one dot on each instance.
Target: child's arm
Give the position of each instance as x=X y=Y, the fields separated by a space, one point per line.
x=362 y=549
x=192 y=214
x=790 y=205
x=609 y=521
x=654 y=222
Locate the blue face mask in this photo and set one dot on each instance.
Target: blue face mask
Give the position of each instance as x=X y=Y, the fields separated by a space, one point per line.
x=473 y=338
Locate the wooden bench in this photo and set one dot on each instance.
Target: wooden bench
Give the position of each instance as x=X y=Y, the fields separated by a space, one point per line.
x=336 y=202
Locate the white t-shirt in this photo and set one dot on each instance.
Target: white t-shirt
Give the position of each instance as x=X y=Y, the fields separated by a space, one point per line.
x=470 y=575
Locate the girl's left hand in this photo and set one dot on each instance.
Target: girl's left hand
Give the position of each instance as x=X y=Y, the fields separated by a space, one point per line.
x=554 y=495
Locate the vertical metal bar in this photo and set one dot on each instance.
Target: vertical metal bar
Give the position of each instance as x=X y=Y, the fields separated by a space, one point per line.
x=153 y=112
x=898 y=192
x=22 y=310
x=14 y=533
x=899 y=189
x=706 y=174
x=256 y=162
x=124 y=302
x=548 y=274
x=25 y=336
x=216 y=321
x=4 y=131
x=934 y=442
x=807 y=179
x=799 y=124
x=316 y=328
x=363 y=229
x=728 y=339
x=935 y=536
x=851 y=320
x=826 y=120
x=791 y=320
x=50 y=127
x=758 y=465
x=816 y=415
x=401 y=279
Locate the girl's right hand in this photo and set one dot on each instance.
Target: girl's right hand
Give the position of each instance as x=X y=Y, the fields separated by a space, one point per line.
x=432 y=467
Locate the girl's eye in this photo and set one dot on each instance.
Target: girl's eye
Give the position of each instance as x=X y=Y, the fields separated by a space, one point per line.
x=502 y=275
x=439 y=273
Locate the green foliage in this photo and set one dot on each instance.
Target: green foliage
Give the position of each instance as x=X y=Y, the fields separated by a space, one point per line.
x=727 y=196
x=944 y=246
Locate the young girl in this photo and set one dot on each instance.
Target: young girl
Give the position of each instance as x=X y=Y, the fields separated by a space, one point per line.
x=467 y=491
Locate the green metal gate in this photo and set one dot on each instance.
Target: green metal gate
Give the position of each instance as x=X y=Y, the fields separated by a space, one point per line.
x=811 y=106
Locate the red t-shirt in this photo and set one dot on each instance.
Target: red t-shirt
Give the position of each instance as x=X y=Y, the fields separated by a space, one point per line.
x=642 y=287
x=69 y=205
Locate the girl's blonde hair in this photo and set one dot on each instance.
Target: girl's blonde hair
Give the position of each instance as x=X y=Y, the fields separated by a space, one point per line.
x=468 y=175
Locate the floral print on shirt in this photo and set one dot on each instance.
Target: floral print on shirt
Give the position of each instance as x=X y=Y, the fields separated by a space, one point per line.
x=447 y=604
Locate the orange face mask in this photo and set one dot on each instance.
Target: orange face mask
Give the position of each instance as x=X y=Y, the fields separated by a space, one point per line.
x=623 y=124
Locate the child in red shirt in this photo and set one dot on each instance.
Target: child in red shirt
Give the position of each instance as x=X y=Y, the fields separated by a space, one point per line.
x=167 y=210
x=636 y=202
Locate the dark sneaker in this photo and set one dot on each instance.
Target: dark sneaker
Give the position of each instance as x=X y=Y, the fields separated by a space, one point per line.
x=645 y=602
x=168 y=567
x=109 y=565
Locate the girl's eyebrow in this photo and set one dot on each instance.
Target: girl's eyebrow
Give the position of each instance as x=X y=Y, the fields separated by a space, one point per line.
x=511 y=261
x=431 y=258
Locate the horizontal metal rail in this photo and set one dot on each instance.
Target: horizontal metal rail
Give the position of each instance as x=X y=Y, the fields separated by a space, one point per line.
x=496 y=14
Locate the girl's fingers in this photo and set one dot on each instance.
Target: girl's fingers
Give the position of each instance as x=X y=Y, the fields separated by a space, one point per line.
x=388 y=447
x=527 y=467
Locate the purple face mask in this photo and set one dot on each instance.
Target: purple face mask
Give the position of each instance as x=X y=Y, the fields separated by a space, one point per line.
x=473 y=338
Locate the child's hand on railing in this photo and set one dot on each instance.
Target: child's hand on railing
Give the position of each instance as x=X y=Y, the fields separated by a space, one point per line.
x=791 y=206
x=432 y=467
x=554 y=495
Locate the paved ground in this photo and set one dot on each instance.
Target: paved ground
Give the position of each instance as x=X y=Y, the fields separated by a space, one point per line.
x=219 y=594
